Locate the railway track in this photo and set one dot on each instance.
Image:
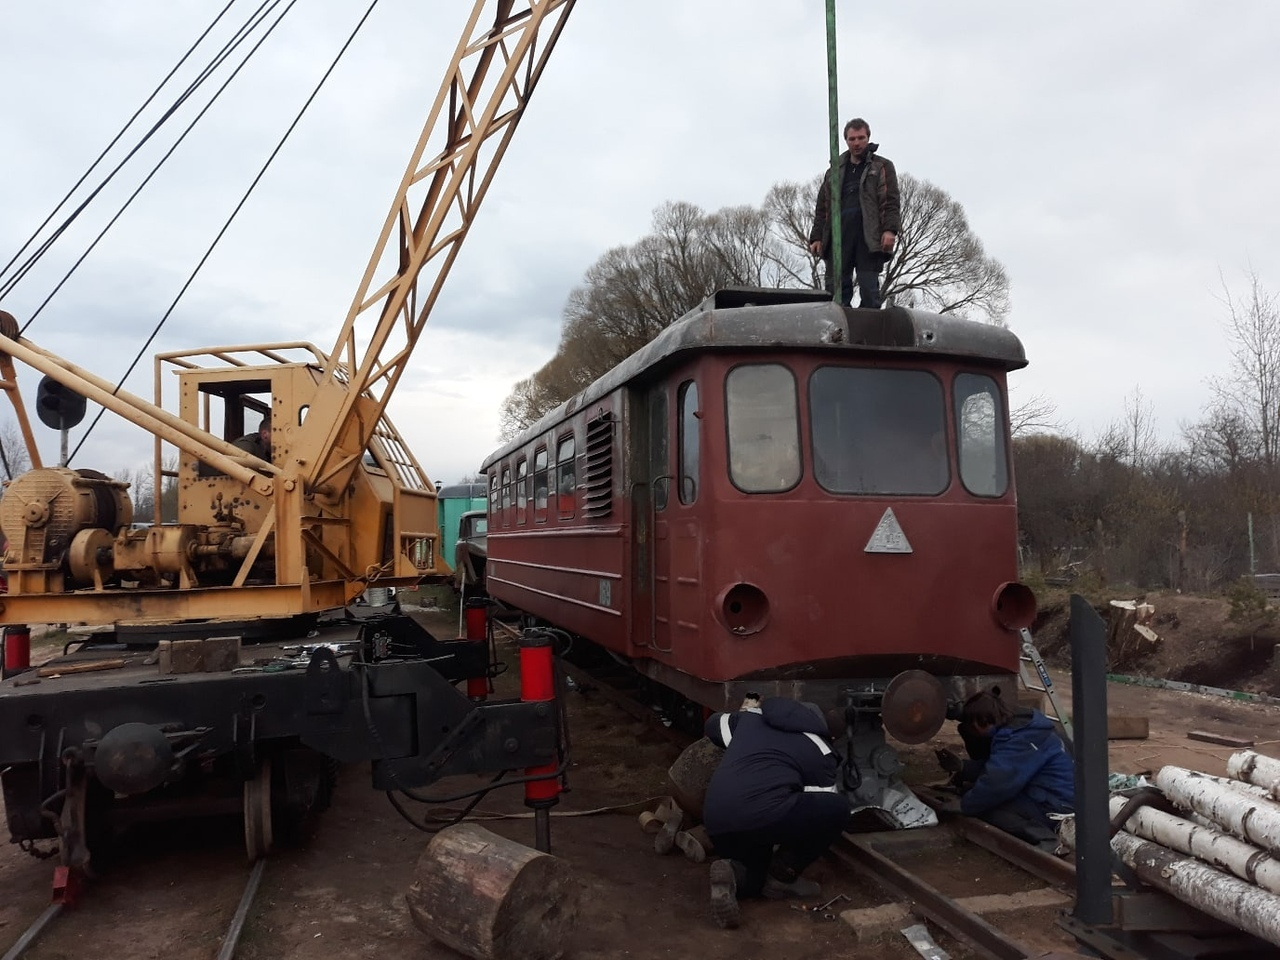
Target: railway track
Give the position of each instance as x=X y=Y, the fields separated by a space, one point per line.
x=189 y=899
x=901 y=863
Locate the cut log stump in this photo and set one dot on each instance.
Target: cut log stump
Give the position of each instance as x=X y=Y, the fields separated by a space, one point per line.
x=492 y=898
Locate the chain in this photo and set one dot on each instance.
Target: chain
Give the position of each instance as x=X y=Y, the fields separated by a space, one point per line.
x=29 y=847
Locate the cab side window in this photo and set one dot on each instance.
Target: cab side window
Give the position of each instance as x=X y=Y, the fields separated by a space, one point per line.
x=566 y=477
x=540 y=484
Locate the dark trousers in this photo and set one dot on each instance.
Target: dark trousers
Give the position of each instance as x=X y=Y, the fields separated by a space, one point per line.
x=866 y=267
x=1025 y=819
x=805 y=833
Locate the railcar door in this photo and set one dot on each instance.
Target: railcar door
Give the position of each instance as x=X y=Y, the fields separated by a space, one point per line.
x=668 y=572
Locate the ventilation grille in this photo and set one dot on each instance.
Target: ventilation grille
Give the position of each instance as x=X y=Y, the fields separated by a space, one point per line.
x=599 y=467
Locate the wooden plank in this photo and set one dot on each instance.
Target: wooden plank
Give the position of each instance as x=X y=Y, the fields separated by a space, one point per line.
x=1223 y=739
x=1127 y=728
x=87 y=666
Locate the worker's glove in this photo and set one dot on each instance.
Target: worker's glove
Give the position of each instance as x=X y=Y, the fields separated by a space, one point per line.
x=949 y=761
x=948 y=806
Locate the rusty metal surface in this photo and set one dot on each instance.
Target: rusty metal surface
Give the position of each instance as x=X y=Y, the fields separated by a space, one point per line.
x=914 y=706
x=861 y=855
x=1046 y=866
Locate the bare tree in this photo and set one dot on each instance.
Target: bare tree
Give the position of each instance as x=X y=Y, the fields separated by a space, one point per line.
x=632 y=293
x=1132 y=439
x=1035 y=415
x=940 y=264
x=13 y=451
x=1251 y=394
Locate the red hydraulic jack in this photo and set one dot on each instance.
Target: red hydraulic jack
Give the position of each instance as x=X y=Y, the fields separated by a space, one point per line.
x=17 y=650
x=476 y=610
x=538 y=685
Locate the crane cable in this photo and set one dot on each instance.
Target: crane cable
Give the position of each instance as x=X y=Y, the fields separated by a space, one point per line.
x=243 y=31
x=244 y=199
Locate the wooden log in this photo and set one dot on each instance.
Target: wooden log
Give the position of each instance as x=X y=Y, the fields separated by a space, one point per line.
x=491 y=898
x=1241 y=813
x=1220 y=895
x=1256 y=769
x=1204 y=843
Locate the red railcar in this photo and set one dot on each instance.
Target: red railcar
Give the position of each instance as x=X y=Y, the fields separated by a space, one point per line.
x=783 y=496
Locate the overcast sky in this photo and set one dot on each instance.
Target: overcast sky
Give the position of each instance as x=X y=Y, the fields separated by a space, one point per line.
x=1116 y=157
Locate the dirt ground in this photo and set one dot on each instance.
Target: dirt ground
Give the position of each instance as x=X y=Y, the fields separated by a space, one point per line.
x=341 y=895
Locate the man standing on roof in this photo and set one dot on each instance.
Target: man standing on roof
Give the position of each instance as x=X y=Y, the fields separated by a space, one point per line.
x=870 y=216
x=775 y=786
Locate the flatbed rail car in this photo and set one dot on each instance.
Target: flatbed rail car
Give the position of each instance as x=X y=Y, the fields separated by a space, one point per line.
x=783 y=496
x=107 y=735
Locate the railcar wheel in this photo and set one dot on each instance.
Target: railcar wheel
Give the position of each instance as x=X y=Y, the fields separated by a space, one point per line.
x=258 y=840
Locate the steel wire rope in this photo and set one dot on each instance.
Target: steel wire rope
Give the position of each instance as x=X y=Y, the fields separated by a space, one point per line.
x=155 y=169
x=243 y=31
x=239 y=206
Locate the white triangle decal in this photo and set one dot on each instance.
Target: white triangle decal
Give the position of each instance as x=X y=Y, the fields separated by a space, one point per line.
x=888 y=536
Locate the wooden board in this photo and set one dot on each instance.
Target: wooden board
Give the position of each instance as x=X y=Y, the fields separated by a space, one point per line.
x=1128 y=728
x=84 y=666
x=1223 y=739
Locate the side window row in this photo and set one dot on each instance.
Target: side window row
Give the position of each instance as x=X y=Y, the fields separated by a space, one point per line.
x=506 y=492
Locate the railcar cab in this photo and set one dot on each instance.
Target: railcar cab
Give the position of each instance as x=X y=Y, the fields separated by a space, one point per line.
x=819 y=471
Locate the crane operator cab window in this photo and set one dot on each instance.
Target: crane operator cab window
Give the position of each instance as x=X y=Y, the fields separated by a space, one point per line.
x=764 y=428
x=878 y=431
x=242 y=418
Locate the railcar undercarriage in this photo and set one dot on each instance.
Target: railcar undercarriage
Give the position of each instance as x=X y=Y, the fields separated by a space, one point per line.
x=101 y=738
x=910 y=706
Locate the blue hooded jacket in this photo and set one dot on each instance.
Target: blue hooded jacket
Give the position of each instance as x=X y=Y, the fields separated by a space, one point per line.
x=1027 y=759
x=770 y=759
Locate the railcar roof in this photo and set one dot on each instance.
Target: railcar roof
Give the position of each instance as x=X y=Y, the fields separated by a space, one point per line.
x=773 y=319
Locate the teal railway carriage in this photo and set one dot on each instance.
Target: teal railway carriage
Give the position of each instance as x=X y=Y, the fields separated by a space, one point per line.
x=452 y=501
x=783 y=496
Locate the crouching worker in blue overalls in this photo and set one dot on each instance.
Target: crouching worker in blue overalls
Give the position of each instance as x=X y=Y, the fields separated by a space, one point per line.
x=775 y=787
x=1018 y=772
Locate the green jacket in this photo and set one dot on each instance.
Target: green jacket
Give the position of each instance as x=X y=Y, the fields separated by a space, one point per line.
x=877 y=196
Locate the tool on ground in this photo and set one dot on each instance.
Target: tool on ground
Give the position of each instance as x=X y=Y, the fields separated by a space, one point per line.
x=919 y=937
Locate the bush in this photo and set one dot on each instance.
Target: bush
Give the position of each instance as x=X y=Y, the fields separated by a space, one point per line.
x=1248 y=602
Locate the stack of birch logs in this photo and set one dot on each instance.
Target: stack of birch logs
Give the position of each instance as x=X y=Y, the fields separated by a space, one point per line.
x=1220 y=857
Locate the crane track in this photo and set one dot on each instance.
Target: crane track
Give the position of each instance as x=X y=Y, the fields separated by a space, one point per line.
x=53 y=920
x=875 y=857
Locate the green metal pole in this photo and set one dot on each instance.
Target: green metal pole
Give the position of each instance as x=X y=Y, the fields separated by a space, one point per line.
x=833 y=113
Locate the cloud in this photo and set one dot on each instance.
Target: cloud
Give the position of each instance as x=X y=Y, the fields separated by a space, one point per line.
x=1113 y=156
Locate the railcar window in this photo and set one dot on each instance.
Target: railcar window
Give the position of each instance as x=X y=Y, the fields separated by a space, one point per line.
x=566 y=478
x=980 y=427
x=506 y=496
x=493 y=495
x=540 y=484
x=764 y=432
x=878 y=431
x=687 y=403
x=659 y=448
x=522 y=490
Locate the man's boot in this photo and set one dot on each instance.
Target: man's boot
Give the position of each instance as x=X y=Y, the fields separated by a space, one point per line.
x=664 y=841
x=725 y=876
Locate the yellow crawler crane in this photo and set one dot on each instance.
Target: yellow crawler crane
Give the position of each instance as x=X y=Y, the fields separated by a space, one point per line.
x=342 y=502
x=188 y=683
